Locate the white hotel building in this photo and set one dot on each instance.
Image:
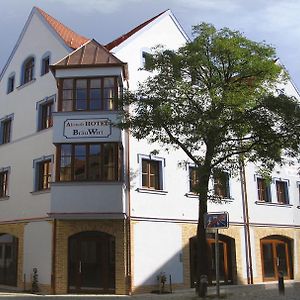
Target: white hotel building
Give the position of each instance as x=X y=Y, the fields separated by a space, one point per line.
x=88 y=205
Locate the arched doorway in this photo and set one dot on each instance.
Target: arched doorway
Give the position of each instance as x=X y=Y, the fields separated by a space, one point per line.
x=276 y=255
x=92 y=263
x=8 y=259
x=226 y=261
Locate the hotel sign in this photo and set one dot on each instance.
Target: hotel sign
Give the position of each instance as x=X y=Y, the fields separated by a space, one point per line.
x=87 y=128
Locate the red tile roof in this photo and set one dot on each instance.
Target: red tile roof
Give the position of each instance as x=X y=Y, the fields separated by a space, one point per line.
x=70 y=38
x=125 y=36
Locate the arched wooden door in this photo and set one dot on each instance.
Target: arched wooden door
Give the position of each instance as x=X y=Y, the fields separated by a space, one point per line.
x=276 y=257
x=92 y=263
x=8 y=259
x=226 y=253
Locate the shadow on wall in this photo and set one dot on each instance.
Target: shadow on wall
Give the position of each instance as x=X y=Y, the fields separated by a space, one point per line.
x=179 y=266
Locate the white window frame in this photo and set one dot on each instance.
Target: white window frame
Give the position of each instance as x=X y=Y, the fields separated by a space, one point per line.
x=162 y=166
x=8 y=170
x=35 y=166
x=39 y=106
x=2 y=120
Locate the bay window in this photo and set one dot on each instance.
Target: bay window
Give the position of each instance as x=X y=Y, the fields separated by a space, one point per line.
x=89 y=94
x=89 y=162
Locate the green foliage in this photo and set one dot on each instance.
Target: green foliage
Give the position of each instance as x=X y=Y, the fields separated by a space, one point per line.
x=216 y=99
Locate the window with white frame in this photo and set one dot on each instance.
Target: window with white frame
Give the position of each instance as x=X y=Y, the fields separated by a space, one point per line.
x=193 y=179
x=45 y=64
x=282 y=191
x=5 y=129
x=151 y=168
x=11 y=83
x=27 y=70
x=263 y=190
x=43 y=173
x=221 y=184
x=45 y=109
x=4 y=174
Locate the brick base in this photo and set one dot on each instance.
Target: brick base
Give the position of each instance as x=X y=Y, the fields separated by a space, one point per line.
x=67 y=228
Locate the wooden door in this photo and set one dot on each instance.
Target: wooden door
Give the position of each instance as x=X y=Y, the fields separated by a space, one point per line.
x=275 y=259
x=91 y=263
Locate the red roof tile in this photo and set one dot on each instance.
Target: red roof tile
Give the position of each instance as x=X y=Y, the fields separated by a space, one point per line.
x=71 y=38
x=125 y=36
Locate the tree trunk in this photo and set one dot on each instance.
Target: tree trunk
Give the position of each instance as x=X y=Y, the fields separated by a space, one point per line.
x=202 y=249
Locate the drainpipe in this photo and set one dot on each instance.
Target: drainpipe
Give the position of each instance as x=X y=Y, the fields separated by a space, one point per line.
x=246 y=222
x=53 y=287
x=128 y=219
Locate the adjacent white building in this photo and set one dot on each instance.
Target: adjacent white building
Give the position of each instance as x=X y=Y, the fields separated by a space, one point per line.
x=88 y=205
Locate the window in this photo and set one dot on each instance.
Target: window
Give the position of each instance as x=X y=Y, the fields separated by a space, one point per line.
x=264 y=190
x=45 y=114
x=89 y=162
x=43 y=175
x=194 y=179
x=6 y=130
x=11 y=84
x=282 y=192
x=28 y=70
x=92 y=94
x=221 y=184
x=45 y=65
x=151 y=174
x=4 y=184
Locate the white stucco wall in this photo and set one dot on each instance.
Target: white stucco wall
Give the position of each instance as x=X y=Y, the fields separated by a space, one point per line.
x=157 y=248
x=27 y=143
x=38 y=251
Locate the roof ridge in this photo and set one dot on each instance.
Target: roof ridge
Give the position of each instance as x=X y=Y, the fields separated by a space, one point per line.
x=71 y=38
x=125 y=36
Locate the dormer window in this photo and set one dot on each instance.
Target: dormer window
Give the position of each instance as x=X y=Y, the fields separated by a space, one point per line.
x=28 y=70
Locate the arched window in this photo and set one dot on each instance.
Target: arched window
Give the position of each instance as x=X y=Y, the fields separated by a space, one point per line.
x=28 y=70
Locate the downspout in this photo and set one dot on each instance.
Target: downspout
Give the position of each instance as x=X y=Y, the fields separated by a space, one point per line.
x=53 y=275
x=128 y=220
x=246 y=222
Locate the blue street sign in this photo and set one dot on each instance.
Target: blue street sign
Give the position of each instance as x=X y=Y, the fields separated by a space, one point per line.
x=216 y=220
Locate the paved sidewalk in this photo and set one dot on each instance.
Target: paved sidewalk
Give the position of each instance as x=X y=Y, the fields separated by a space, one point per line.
x=253 y=292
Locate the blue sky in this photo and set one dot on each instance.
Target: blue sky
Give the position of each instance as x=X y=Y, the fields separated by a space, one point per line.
x=275 y=21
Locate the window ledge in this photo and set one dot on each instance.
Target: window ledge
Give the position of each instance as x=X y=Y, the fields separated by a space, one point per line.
x=74 y=183
x=4 y=198
x=40 y=192
x=26 y=84
x=151 y=191
x=298 y=206
x=191 y=195
x=273 y=204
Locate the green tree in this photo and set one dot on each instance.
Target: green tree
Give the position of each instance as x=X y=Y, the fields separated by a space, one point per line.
x=216 y=99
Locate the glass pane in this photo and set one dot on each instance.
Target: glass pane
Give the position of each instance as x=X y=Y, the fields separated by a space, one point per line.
x=66 y=150
x=95 y=162
x=67 y=94
x=68 y=84
x=95 y=83
x=268 y=260
x=95 y=99
x=81 y=84
x=67 y=105
x=81 y=100
x=109 y=162
x=80 y=162
x=109 y=82
x=281 y=258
